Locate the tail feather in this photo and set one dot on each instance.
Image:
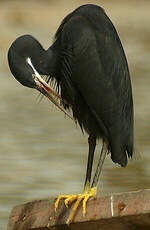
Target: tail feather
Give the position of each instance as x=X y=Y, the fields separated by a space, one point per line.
x=120 y=148
x=119 y=157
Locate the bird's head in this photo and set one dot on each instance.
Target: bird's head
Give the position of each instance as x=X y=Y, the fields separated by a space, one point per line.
x=27 y=60
x=24 y=56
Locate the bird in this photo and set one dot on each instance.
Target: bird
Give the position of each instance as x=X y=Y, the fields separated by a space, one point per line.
x=89 y=65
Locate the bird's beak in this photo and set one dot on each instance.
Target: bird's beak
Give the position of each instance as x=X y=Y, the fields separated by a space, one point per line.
x=46 y=90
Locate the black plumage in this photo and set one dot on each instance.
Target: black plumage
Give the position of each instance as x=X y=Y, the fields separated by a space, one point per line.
x=89 y=64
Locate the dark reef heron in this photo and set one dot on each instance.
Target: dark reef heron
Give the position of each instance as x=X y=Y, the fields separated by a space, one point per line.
x=89 y=65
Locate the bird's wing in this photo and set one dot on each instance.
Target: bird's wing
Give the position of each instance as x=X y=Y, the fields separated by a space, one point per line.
x=96 y=67
x=95 y=64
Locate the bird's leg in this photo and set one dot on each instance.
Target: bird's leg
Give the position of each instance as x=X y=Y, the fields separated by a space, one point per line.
x=92 y=144
x=99 y=166
x=88 y=191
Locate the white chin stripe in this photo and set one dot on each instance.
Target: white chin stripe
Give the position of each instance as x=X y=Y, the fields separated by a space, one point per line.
x=35 y=72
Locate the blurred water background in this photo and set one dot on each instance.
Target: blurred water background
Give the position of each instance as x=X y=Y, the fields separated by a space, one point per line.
x=43 y=153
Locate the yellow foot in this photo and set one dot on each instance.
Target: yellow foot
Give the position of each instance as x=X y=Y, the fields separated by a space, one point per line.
x=69 y=199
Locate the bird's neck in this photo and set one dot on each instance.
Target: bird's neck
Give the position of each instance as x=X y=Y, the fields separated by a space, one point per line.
x=53 y=58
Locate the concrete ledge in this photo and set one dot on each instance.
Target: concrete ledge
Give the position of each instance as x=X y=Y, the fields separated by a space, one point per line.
x=126 y=211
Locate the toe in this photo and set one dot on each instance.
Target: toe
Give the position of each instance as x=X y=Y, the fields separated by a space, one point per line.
x=70 y=199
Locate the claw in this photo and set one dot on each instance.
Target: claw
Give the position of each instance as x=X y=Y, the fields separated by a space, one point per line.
x=60 y=197
x=69 y=199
